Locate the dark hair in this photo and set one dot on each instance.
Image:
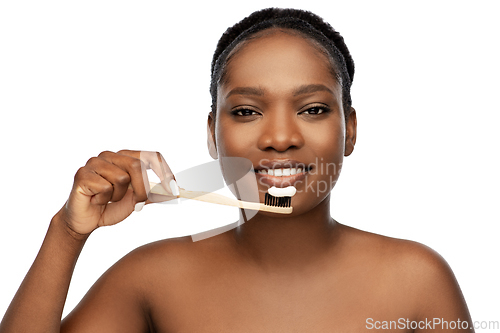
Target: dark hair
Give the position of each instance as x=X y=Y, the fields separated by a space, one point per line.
x=305 y=23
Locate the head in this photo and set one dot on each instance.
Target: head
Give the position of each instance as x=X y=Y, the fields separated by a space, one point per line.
x=280 y=91
x=304 y=23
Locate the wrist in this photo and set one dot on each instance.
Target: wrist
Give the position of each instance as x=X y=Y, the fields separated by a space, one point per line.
x=60 y=222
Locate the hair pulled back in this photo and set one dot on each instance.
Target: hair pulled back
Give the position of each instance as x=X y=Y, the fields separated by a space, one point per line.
x=305 y=23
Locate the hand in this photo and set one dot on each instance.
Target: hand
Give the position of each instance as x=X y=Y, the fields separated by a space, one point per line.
x=108 y=187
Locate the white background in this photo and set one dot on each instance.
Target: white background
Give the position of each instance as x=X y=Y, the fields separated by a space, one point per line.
x=77 y=78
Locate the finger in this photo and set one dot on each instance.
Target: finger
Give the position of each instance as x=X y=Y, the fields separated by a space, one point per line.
x=162 y=170
x=94 y=186
x=156 y=162
x=168 y=178
x=152 y=160
x=135 y=170
x=138 y=206
x=119 y=178
x=156 y=198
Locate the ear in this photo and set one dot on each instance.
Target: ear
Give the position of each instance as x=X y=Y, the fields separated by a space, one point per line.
x=212 y=148
x=350 y=136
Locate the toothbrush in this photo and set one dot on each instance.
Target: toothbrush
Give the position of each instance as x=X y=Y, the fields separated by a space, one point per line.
x=277 y=200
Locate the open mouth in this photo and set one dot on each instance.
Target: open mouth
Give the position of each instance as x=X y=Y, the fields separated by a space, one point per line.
x=281 y=167
x=282 y=172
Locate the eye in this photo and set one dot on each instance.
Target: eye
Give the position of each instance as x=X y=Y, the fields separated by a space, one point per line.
x=316 y=110
x=244 y=112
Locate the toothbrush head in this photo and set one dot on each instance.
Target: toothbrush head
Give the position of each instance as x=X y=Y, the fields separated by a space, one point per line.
x=280 y=197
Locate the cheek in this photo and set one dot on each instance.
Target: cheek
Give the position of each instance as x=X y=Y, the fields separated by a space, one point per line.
x=327 y=144
x=326 y=140
x=233 y=140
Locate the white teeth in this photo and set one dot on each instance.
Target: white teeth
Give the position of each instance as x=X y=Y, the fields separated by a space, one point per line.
x=281 y=172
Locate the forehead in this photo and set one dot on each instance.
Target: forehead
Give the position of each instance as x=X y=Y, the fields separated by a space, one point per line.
x=279 y=61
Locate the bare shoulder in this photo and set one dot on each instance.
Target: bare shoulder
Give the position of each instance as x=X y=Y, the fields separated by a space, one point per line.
x=157 y=252
x=412 y=274
x=408 y=256
x=169 y=258
x=123 y=297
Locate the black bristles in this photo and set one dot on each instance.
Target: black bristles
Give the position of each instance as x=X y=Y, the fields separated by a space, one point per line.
x=271 y=200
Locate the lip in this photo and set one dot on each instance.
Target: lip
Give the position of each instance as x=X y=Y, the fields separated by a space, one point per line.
x=281 y=163
x=282 y=181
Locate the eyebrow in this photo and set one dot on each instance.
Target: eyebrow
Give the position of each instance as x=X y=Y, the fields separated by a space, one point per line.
x=311 y=88
x=246 y=91
x=302 y=90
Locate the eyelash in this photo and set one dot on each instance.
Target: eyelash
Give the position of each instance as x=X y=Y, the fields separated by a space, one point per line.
x=318 y=107
x=237 y=111
x=324 y=109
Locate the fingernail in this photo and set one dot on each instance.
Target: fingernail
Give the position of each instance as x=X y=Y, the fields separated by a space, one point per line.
x=139 y=206
x=174 y=188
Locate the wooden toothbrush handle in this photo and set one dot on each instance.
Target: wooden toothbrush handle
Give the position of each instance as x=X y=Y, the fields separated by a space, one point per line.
x=220 y=199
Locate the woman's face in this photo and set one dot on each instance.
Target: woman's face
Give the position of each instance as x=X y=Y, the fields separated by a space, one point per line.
x=281 y=108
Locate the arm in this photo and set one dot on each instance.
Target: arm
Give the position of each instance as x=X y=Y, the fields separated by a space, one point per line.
x=100 y=196
x=441 y=301
x=39 y=302
x=117 y=302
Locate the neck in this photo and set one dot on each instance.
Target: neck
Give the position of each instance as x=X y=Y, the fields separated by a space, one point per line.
x=282 y=243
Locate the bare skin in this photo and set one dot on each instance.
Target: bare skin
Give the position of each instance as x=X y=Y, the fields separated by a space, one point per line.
x=300 y=273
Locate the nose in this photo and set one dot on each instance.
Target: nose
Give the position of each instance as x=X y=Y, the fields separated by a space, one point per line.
x=280 y=132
